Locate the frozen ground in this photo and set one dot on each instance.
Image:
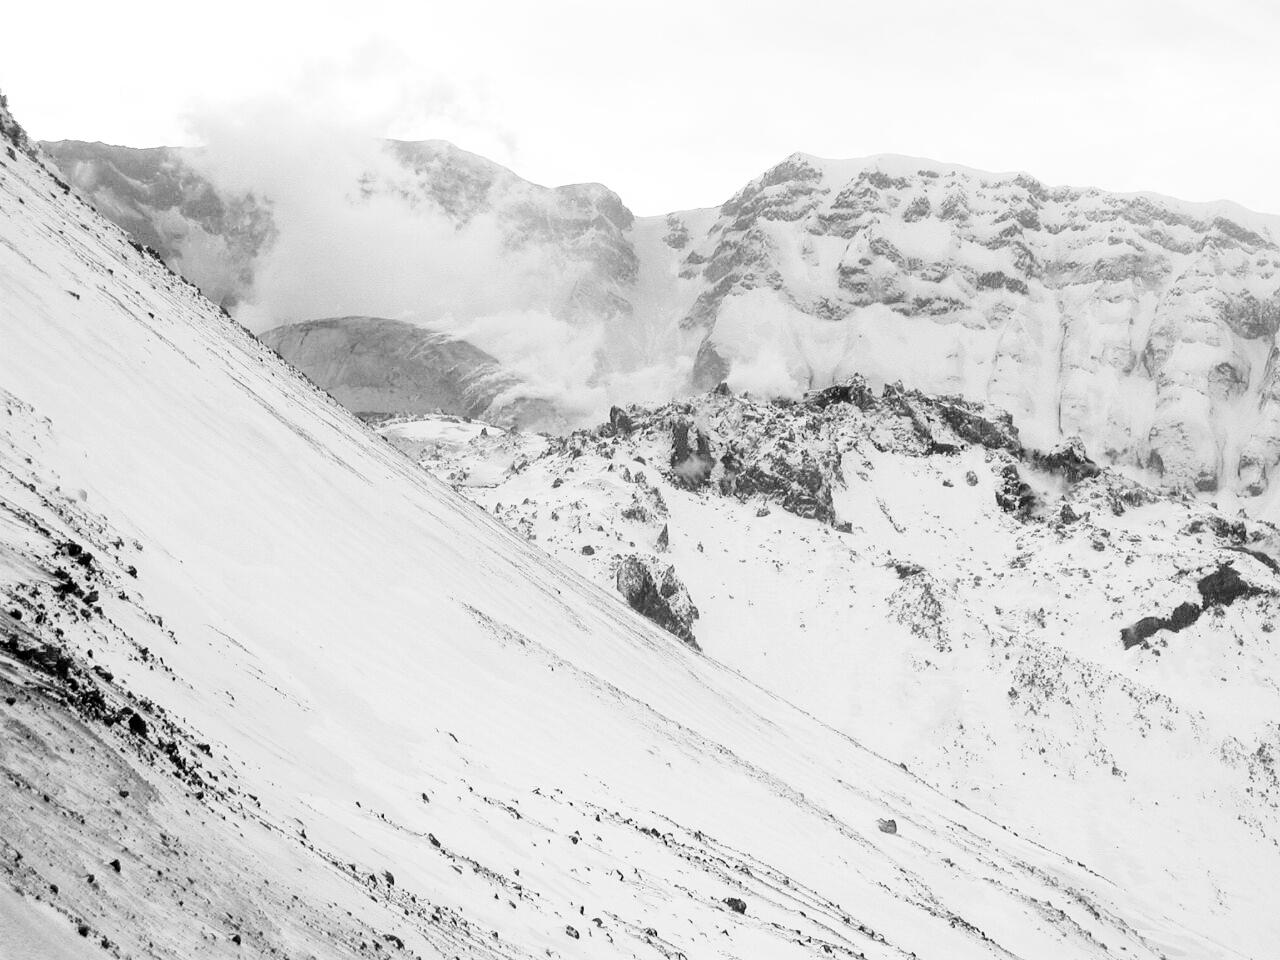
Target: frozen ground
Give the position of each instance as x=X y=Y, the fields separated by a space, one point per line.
x=982 y=649
x=268 y=689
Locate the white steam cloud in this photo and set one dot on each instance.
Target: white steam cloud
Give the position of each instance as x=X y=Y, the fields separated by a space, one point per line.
x=357 y=236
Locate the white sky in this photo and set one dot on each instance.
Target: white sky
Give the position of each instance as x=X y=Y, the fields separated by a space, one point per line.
x=677 y=104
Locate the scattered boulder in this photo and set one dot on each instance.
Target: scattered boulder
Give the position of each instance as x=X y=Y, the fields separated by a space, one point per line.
x=137 y=725
x=736 y=904
x=887 y=826
x=655 y=592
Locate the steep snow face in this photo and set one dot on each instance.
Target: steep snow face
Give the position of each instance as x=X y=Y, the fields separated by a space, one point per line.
x=267 y=687
x=1003 y=621
x=1145 y=325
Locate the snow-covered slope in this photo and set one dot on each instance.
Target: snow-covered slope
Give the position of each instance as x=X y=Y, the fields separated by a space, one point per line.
x=269 y=689
x=1145 y=325
x=900 y=567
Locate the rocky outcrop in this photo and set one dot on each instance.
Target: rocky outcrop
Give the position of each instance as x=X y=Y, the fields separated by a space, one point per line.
x=1221 y=588
x=1018 y=294
x=1013 y=494
x=691 y=459
x=1068 y=461
x=654 y=591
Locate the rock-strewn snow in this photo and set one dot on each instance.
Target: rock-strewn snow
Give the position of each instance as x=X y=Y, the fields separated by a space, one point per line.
x=902 y=568
x=269 y=689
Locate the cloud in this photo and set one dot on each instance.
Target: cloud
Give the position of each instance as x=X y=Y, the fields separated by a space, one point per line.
x=360 y=234
x=342 y=248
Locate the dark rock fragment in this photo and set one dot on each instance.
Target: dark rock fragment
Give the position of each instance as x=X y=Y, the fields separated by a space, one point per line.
x=1013 y=495
x=1070 y=461
x=656 y=593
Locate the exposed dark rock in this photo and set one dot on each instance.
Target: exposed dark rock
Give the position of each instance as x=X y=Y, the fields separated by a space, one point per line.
x=854 y=391
x=137 y=725
x=1068 y=460
x=1067 y=514
x=1226 y=530
x=656 y=593
x=736 y=904
x=1221 y=588
x=946 y=423
x=691 y=459
x=622 y=423
x=985 y=427
x=802 y=488
x=1013 y=495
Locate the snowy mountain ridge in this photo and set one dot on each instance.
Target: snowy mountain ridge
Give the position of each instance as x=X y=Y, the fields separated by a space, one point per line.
x=1145 y=325
x=269 y=689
